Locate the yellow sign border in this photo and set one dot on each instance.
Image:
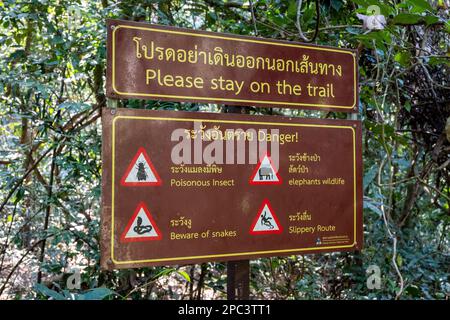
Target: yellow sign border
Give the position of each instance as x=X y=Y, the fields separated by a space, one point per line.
x=113 y=64
x=236 y=254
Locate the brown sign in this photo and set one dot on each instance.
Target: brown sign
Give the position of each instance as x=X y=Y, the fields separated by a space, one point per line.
x=181 y=187
x=164 y=63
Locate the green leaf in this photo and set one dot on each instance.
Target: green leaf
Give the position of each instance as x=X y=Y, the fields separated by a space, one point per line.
x=420 y=6
x=164 y=272
x=369 y=176
x=19 y=53
x=360 y=2
x=429 y=20
x=184 y=275
x=436 y=61
x=39 y=287
x=407 y=106
x=18 y=195
x=440 y=295
x=336 y=4
x=447 y=26
x=404 y=58
x=373 y=208
x=413 y=291
x=97 y=294
x=292 y=9
x=407 y=18
x=399 y=260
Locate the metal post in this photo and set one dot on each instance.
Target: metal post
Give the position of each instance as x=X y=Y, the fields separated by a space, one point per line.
x=352 y=116
x=112 y=103
x=238 y=272
x=238 y=280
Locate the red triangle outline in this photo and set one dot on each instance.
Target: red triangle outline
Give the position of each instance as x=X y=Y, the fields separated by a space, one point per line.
x=140 y=206
x=255 y=221
x=158 y=181
x=255 y=171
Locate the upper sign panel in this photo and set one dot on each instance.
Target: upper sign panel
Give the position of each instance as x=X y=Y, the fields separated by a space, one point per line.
x=153 y=62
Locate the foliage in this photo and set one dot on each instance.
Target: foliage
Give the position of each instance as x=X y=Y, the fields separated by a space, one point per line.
x=93 y=294
x=52 y=66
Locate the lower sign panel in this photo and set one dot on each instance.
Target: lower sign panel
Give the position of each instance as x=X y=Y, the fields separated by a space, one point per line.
x=182 y=187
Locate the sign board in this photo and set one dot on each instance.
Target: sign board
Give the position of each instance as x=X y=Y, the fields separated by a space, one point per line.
x=182 y=187
x=154 y=62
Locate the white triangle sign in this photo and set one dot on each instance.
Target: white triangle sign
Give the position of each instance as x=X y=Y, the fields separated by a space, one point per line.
x=265 y=173
x=141 y=227
x=141 y=172
x=266 y=221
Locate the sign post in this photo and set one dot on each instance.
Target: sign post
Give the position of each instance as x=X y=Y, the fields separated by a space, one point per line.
x=238 y=272
x=238 y=280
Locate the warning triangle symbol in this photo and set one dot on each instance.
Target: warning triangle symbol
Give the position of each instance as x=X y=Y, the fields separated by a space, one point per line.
x=265 y=172
x=141 y=226
x=141 y=171
x=266 y=221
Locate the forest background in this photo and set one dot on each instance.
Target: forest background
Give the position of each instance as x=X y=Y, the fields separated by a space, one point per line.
x=52 y=91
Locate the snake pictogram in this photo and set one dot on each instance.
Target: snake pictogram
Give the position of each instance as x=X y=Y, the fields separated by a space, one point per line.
x=140 y=229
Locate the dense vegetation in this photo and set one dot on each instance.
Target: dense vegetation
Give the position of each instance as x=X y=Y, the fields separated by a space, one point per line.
x=52 y=73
